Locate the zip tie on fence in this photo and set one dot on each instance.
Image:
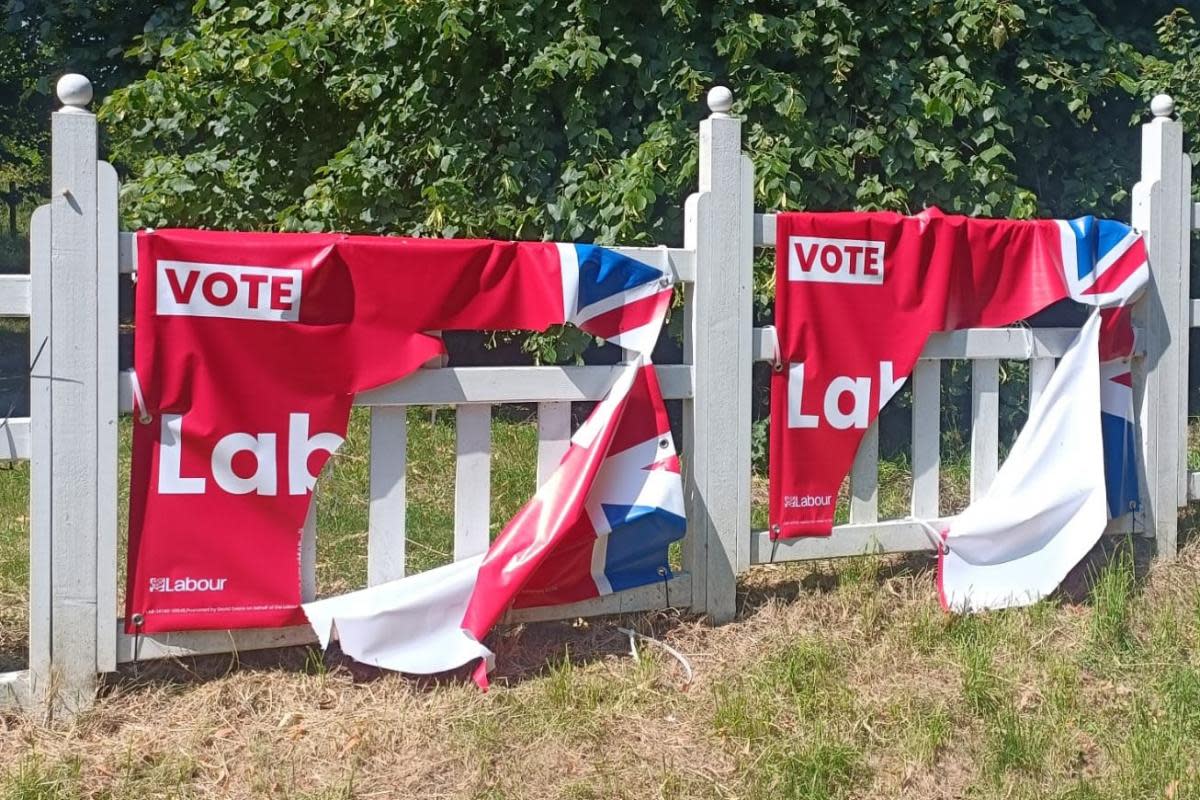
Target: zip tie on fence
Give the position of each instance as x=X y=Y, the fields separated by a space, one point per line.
x=668 y=278
x=680 y=657
x=935 y=536
x=1025 y=326
x=139 y=402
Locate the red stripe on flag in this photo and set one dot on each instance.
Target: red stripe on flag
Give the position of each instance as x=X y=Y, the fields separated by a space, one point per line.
x=670 y=464
x=1125 y=379
x=1120 y=270
x=627 y=317
x=648 y=419
x=1116 y=333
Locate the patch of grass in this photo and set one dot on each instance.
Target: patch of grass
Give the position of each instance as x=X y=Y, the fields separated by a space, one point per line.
x=571 y=702
x=925 y=629
x=1062 y=686
x=1016 y=741
x=1112 y=597
x=14 y=253
x=793 y=713
x=1156 y=756
x=895 y=487
x=983 y=688
x=814 y=769
x=343 y=497
x=572 y=695
x=926 y=729
x=14 y=564
x=34 y=779
x=954 y=478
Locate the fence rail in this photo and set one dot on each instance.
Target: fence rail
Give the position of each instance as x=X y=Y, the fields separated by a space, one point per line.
x=77 y=392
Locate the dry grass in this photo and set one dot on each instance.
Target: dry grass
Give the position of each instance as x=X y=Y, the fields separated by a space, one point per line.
x=836 y=681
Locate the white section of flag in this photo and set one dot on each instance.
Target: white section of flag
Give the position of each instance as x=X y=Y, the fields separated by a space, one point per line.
x=1046 y=508
x=413 y=624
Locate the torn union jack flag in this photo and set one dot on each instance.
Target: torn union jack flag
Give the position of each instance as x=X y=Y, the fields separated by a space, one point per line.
x=857 y=297
x=601 y=523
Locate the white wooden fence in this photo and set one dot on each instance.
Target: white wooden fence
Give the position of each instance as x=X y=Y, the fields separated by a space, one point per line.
x=77 y=392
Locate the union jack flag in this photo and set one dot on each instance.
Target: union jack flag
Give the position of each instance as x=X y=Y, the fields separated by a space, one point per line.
x=1105 y=264
x=602 y=522
x=1104 y=261
x=610 y=295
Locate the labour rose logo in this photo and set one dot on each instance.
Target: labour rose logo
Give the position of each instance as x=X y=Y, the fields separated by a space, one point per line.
x=187 y=584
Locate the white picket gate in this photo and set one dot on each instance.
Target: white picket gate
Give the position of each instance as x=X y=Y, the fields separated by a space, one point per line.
x=77 y=392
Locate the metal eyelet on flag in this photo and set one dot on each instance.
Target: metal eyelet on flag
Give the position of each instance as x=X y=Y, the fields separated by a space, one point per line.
x=138 y=620
x=664 y=443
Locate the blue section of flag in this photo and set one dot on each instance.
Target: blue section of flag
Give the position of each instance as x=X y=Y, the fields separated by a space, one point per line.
x=638 y=543
x=604 y=273
x=1094 y=239
x=1111 y=233
x=1085 y=257
x=1120 y=475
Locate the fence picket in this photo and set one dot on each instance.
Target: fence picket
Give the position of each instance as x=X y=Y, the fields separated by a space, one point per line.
x=107 y=366
x=554 y=437
x=864 y=478
x=985 y=424
x=41 y=438
x=473 y=480
x=308 y=552
x=926 y=438
x=386 y=516
x=1040 y=370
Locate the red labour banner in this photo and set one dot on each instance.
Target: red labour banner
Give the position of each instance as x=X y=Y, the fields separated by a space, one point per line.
x=857 y=296
x=250 y=350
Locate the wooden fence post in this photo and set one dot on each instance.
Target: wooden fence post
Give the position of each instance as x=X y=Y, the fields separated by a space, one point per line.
x=720 y=228
x=74 y=407
x=1162 y=212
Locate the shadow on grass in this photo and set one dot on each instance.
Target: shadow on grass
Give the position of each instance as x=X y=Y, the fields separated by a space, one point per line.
x=785 y=582
x=523 y=652
x=1078 y=588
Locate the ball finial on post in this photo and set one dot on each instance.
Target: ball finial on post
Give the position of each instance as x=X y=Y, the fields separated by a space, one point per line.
x=74 y=91
x=1163 y=105
x=720 y=101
